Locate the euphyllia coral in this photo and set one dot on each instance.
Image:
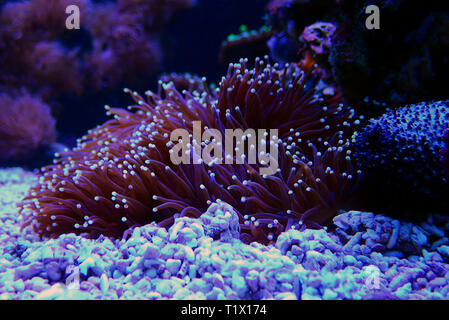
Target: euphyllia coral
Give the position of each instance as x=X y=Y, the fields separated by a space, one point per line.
x=120 y=174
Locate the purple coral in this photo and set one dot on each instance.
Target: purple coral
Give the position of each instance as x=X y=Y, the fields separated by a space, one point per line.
x=118 y=43
x=121 y=176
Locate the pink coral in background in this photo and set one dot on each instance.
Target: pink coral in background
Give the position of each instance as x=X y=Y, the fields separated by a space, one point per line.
x=125 y=44
x=122 y=48
x=26 y=125
x=51 y=65
x=32 y=57
x=36 y=19
x=118 y=45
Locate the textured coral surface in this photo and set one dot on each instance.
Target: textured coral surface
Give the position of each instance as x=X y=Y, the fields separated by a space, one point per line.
x=400 y=154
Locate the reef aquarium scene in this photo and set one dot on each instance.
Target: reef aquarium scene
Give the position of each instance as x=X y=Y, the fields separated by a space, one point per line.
x=247 y=150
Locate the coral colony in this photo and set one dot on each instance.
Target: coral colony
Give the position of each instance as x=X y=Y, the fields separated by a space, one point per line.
x=26 y=125
x=118 y=42
x=120 y=174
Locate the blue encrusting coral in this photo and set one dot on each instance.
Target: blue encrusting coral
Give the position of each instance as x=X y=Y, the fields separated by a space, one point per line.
x=399 y=152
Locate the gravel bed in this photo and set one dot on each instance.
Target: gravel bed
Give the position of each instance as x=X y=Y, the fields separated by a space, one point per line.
x=362 y=256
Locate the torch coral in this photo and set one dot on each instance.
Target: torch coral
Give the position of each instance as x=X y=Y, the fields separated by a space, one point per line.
x=123 y=46
x=121 y=176
x=25 y=126
x=123 y=35
x=33 y=57
x=285 y=99
x=400 y=155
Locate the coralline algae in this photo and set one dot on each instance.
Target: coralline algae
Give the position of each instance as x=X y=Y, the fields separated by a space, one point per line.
x=361 y=256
